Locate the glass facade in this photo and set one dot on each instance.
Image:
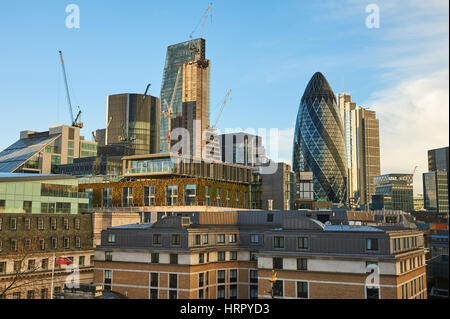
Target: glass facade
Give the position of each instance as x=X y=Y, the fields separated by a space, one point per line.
x=436 y=192
x=319 y=144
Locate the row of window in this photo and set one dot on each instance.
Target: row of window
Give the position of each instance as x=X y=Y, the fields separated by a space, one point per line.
x=53 y=223
x=405 y=243
x=414 y=287
x=31 y=265
x=412 y=262
x=302 y=242
x=278 y=289
x=302 y=263
x=40 y=244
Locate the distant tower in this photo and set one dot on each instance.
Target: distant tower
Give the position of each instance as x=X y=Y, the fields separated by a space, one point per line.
x=319 y=144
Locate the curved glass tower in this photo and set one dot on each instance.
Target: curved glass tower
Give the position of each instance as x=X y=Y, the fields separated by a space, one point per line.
x=319 y=145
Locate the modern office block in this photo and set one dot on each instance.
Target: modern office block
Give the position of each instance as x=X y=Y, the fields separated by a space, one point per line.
x=242 y=149
x=435 y=191
x=396 y=189
x=319 y=144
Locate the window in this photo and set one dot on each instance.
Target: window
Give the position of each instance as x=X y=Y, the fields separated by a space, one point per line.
x=220 y=292
x=201 y=294
x=198 y=239
x=172 y=195
x=155 y=258
x=208 y=195
x=149 y=196
x=1 y=245
x=157 y=239
x=2 y=267
x=278 y=288
x=372 y=293
x=233 y=291
x=302 y=242
x=16 y=295
x=201 y=279
x=111 y=238
x=372 y=244
x=201 y=258
x=66 y=242
x=30 y=294
x=40 y=223
x=302 y=264
x=302 y=289
x=1 y=223
x=107 y=197
x=17 y=265
x=81 y=261
x=53 y=223
x=176 y=240
x=228 y=198
x=270 y=218
x=108 y=255
x=77 y=223
x=221 y=256
x=44 y=264
x=153 y=293
x=107 y=280
x=27 y=207
x=254 y=239
x=2 y=206
x=233 y=255
x=253 y=256
x=13 y=224
x=54 y=243
x=28 y=244
x=173 y=281
x=233 y=275
x=278 y=242
x=172 y=294
x=253 y=276
x=232 y=238
x=154 y=279
x=220 y=238
x=31 y=264
x=238 y=198
x=253 y=292
x=190 y=194
x=66 y=223
x=27 y=223
x=277 y=263
x=128 y=196
x=77 y=242
x=91 y=260
x=173 y=259
x=13 y=244
x=218 y=196
x=221 y=276
x=205 y=239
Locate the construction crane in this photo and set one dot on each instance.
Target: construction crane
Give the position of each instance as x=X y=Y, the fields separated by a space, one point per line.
x=107 y=125
x=195 y=49
x=221 y=109
x=414 y=171
x=168 y=112
x=75 y=122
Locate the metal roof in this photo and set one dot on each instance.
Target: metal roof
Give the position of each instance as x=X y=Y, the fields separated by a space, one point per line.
x=345 y=228
x=21 y=177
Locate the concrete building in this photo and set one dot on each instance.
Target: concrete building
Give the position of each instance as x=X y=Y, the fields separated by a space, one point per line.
x=133 y=119
x=396 y=190
x=278 y=189
x=232 y=255
x=362 y=143
x=42 y=152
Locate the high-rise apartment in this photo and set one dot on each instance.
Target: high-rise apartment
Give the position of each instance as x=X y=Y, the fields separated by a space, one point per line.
x=362 y=142
x=133 y=119
x=319 y=145
x=185 y=87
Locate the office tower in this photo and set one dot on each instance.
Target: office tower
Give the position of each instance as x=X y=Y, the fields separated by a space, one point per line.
x=42 y=152
x=438 y=159
x=278 y=189
x=133 y=119
x=319 y=144
x=435 y=191
x=362 y=141
x=189 y=96
x=243 y=149
x=395 y=190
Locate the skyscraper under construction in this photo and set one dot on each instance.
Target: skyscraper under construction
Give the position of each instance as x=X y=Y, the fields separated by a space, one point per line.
x=185 y=95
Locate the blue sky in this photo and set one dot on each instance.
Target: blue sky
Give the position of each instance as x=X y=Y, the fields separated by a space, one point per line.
x=265 y=51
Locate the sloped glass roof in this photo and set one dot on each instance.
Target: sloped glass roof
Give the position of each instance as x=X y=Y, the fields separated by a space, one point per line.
x=19 y=152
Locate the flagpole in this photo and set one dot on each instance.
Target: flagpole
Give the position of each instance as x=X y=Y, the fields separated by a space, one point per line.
x=53 y=274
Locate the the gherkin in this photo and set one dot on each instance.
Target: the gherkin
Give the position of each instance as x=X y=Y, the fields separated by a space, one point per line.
x=319 y=145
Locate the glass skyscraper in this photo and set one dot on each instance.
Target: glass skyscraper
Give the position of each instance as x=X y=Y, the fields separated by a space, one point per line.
x=191 y=99
x=319 y=144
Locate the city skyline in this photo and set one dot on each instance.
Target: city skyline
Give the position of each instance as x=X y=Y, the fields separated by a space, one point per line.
x=396 y=88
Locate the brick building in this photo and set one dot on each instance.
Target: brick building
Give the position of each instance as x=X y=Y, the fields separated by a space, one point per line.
x=232 y=255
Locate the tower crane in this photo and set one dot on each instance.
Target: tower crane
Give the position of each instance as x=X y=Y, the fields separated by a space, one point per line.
x=221 y=109
x=195 y=49
x=168 y=112
x=75 y=122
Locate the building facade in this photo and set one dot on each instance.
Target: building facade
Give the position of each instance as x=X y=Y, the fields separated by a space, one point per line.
x=278 y=189
x=233 y=256
x=242 y=148
x=435 y=189
x=133 y=119
x=362 y=148
x=319 y=144
x=42 y=152
x=395 y=189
